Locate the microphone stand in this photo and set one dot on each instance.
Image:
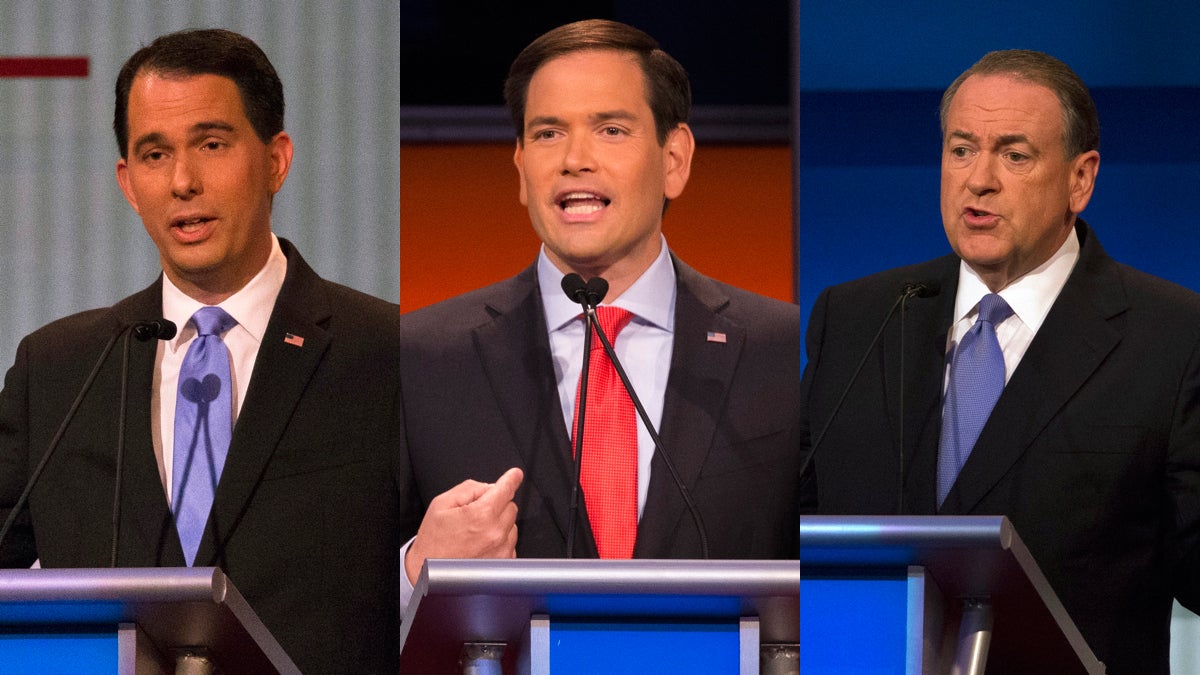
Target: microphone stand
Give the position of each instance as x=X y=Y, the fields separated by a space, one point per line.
x=589 y=322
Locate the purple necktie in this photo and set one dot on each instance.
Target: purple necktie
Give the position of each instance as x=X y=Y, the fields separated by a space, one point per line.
x=976 y=381
x=203 y=426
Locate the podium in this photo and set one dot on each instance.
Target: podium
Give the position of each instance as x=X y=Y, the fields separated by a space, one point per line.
x=929 y=594
x=612 y=616
x=131 y=620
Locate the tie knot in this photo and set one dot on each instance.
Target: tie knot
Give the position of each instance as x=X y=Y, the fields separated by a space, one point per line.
x=613 y=320
x=212 y=321
x=993 y=309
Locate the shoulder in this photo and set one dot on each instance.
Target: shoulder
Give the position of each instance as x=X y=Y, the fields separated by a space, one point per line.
x=463 y=313
x=874 y=294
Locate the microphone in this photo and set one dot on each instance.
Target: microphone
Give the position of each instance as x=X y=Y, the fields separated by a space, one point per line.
x=588 y=294
x=921 y=289
x=596 y=289
x=577 y=290
x=912 y=289
x=159 y=327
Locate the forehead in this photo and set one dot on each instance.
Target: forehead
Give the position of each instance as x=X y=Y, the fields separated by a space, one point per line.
x=157 y=99
x=595 y=78
x=1003 y=104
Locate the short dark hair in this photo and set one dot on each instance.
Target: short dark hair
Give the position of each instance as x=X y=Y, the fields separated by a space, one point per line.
x=1081 y=122
x=667 y=88
x=211 y=51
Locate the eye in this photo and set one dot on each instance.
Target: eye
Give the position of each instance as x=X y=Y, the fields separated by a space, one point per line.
x=1016 y=157
x=959 y=152
x=612 y=131
x=153 y=155
x=213 y=144
x=544 y=134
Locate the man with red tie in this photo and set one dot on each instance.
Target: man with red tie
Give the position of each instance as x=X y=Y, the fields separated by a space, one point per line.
x=491 y=379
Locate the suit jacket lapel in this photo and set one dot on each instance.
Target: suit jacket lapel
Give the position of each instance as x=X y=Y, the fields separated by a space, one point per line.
x=926 y=322
x=281 y=374
x=147 y=529
x=1071 y=344
x=515 y=353
x=699 y=381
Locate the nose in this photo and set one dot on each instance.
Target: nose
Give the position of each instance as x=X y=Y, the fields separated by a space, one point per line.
x=579 y=156
x=185 y=180
x=982 y=178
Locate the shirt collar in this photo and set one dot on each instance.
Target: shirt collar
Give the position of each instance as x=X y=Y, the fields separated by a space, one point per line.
x=1030 y=296
x=251 y=306
x=651 y=298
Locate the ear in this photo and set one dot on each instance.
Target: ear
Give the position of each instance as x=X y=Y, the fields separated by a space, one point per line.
x=126 y=186
x=677 y=160
x=1083 y=179
x=280 y=152
x=518 y=157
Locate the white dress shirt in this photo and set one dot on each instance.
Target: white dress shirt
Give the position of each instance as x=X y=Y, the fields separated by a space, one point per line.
x=251 y=307
x=1030 y=298
x=644 y=347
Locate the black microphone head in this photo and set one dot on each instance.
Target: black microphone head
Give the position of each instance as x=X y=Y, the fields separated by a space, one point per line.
x=597 y=288
x=575 y=288
x=159 y=329
x=922 y=289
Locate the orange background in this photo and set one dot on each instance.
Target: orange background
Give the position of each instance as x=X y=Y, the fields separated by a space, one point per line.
x=462 y=227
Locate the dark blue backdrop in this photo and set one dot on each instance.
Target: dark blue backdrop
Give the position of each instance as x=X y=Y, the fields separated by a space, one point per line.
x=871 y=77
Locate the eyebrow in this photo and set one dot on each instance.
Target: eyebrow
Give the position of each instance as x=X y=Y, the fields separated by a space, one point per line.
x=1007 y=139
x=594 y=118
x=198 y=129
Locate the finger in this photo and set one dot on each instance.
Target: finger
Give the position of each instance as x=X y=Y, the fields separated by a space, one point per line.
x=462 y=494
x=501 y=493
x=508 y=483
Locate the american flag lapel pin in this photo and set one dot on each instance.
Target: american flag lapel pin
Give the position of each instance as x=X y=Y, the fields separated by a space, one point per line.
x=297 y=341
x=714 y=336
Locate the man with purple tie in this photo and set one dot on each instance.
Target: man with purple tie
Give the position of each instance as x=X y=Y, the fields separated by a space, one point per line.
x=263 y=437
x=1044 y=382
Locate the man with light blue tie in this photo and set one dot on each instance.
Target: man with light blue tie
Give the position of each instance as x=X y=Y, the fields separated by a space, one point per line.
x=1045 y=382
x=263 y=437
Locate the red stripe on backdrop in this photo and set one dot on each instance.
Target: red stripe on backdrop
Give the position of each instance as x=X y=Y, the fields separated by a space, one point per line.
x=43 y=66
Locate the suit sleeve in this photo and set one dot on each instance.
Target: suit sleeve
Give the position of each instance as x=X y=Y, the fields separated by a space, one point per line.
x=1183 y=488
x=18 y=548
x=808 y=477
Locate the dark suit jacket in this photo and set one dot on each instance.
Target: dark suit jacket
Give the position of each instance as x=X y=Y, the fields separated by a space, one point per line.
x=1093 y=450
x=310 y=511
x=480 y=397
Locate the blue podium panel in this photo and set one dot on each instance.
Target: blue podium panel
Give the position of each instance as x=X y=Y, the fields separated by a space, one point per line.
x=590 y=646
x=854 y=625
x=602 y=616
x=50 y=653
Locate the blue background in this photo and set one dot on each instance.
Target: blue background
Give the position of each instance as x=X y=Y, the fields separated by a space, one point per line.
x=871 y=78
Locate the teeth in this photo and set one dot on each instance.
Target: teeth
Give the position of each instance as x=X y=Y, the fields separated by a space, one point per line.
x=581 y=195
x=579 y=209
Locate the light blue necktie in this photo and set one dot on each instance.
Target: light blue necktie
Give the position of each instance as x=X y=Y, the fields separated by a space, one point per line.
x=976 y=381
x=203 y=426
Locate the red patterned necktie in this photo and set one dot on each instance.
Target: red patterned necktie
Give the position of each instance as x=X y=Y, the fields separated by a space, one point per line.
x=610 y=454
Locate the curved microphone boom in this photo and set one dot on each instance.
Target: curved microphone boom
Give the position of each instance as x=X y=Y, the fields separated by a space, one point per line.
x=156 y=328
x=596 y=289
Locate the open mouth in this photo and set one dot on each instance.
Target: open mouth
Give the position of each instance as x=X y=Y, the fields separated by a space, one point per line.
x=582 y=203
x=191 y=224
